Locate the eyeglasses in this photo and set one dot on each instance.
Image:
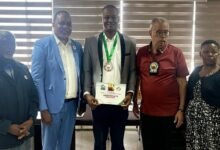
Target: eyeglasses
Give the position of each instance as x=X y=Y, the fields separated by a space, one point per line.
x=162 y=33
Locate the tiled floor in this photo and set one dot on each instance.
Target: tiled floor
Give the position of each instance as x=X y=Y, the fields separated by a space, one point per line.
x=84 y=139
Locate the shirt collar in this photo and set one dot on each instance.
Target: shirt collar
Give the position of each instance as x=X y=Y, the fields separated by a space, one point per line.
x=159 y=51
x=107 y=39
x=59 y=42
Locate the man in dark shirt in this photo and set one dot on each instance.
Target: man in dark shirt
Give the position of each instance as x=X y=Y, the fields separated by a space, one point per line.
x=18 y=98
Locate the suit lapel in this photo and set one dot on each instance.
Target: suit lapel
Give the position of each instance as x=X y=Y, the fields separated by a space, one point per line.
x=100 y=53
x=6 y=76
x=76 y=57
x=57 y=53
x=122 y=41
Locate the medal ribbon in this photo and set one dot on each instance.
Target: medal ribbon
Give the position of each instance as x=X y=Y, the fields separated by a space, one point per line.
x=109 y=55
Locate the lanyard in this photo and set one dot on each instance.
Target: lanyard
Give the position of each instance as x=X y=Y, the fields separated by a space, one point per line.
x=109 y=55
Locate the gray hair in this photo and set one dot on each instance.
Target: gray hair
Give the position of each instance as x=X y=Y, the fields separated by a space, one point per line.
x=158 y=20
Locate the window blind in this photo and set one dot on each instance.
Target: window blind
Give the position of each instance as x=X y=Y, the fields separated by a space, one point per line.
x=138 y=16
x=85 y=14
x=207 y=25
x=28 y=20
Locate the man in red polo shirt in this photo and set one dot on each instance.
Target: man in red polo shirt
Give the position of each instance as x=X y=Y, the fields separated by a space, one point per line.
x=162 y=72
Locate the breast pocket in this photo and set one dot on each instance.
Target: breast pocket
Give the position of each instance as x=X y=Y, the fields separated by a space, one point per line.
x=168 y=68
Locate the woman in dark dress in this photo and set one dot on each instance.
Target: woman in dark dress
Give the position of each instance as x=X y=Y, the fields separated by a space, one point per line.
x=203 y=94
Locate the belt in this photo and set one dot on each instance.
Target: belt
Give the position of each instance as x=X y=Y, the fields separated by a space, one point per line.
x=70 y=99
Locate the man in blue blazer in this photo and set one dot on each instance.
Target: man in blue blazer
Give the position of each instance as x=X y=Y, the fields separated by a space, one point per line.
x=56 y=70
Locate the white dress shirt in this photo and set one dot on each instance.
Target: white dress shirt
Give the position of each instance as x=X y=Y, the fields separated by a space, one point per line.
x=113 y=76
x=69 y=65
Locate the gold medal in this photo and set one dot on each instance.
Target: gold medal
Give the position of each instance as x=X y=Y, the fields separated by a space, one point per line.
x=108 y=66
x=154 y=68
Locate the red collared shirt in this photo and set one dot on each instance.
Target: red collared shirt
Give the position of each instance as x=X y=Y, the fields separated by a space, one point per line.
x=160 y=93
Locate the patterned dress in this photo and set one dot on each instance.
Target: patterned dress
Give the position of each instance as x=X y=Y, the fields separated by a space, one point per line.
x=203 y=123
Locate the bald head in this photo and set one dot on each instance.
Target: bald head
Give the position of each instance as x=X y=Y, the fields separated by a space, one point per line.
x=7 y=44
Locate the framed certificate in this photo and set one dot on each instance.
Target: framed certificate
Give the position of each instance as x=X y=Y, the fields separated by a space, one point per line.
x=107 y=93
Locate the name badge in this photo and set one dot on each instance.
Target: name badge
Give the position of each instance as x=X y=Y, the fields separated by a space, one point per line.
x=154 y=68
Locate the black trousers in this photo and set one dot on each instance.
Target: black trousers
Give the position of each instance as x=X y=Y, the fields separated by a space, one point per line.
x=109 y=119
x=160 y=133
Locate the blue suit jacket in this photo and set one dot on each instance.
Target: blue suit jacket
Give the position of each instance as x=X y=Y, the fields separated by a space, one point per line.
x=49 y=75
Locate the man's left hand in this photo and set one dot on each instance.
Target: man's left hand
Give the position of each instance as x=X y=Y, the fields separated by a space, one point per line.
x=179 y=118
